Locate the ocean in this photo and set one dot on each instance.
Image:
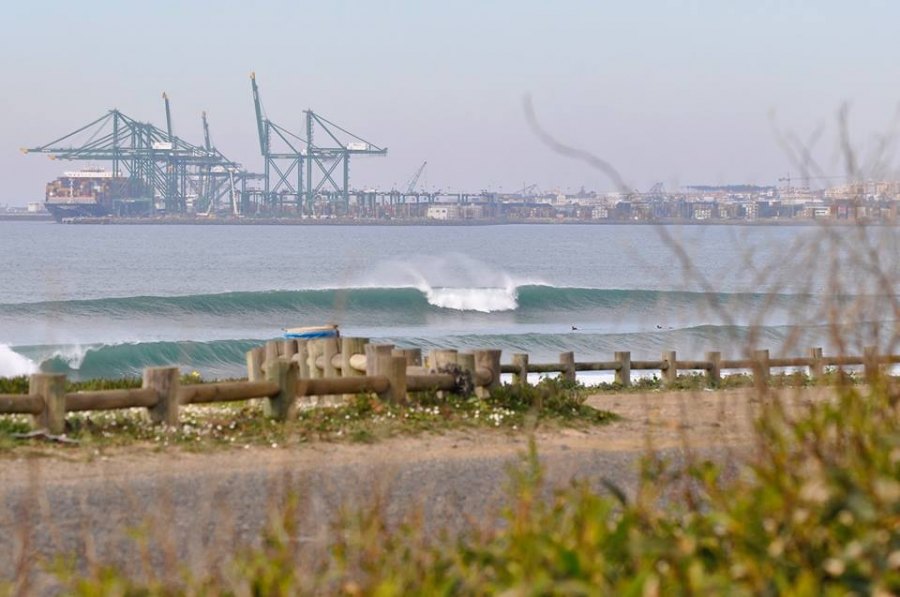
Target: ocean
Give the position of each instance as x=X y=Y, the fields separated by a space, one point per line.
x=107 y=301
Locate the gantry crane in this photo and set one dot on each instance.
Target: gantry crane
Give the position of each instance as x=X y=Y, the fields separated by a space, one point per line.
x=283 y=168
x=411 y=187
x=165 y=167
x=340 y=145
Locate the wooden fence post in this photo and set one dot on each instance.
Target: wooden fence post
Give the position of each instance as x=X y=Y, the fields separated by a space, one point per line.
x=623 y=373
x=165 y=381
x=714 y=373
x=413 y=357
x=314 y=350
x=466 y=362
x=438 y=359
x=330 y=349
x=670 y=372
x=350 y=347
x=870 y=363
x=373 y=352
x=288 y=348
x=51 y=387
x=302 y=359
x=394 y=368
x=520 y=361
x=254 y=363
x=284 y=373
x=816 y=367
x=760 y=368
x=443 y=357
x=488 y=359
x=272 y=350
x=567 y=363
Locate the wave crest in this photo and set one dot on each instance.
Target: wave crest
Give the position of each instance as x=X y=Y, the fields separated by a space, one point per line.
x=503 y=295
x=13 y=364
x=483 y=300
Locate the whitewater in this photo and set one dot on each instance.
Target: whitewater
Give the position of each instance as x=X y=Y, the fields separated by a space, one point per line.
x=111 y=300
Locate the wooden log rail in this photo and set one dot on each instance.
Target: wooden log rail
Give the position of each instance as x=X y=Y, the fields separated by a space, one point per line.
x=162 y=395
x=712 y=365
x=280 y=373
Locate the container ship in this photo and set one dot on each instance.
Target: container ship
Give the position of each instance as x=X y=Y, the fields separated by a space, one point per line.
x=95 y=192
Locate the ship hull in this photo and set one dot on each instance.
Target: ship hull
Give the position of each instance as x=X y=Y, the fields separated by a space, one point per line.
x=68 y=211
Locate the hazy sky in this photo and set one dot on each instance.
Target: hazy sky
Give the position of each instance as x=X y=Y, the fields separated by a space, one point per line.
x=674 y=91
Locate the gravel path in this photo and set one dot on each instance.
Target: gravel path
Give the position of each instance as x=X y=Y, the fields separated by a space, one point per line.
x=197 y=507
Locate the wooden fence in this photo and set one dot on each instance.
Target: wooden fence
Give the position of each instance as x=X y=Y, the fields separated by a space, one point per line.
x=282 y=371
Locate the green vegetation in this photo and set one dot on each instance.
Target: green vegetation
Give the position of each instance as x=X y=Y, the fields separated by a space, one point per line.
x=19 y=384
x=698 y=381
x=816 y=511
x=362 y=419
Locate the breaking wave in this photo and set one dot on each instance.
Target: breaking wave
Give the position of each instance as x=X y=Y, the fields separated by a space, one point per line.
x=509 y=297
x=13 y=363
x=226 y=358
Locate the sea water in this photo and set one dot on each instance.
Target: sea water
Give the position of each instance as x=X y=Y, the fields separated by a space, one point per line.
x=109 y=300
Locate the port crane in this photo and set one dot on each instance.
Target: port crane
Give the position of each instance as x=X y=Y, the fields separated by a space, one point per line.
x=218 y=182
x=324 y=159
x=283 y=166
x=167 y=168
x=326 y=164
x=411 y=187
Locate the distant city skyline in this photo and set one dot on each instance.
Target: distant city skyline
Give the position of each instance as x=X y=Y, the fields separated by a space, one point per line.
x=678 y=92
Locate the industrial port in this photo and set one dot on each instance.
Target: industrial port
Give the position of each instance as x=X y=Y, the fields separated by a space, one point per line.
x=153 y=175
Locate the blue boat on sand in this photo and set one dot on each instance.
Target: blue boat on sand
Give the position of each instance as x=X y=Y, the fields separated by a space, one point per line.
x=312 y=332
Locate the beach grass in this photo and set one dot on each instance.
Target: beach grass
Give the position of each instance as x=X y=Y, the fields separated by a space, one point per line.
x=814 y=509
x=363 y=418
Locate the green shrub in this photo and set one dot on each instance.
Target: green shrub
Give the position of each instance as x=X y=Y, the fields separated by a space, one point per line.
x=815 y=512
x=550 y=398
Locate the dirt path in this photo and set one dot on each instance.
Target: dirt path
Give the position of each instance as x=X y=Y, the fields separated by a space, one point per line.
x=204 y=504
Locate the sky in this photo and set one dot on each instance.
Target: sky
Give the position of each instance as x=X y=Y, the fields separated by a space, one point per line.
x=680 y=92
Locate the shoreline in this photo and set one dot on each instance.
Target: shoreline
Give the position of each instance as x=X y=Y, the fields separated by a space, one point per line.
x=184 y=221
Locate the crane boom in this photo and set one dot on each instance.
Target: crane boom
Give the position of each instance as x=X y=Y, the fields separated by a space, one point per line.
x=168 y=116
x=415 y=179
x=206 y=141
x=260 y=120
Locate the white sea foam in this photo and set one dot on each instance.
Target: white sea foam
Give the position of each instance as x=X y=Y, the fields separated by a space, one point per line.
x=12 y=363
x=485 y=300
x=451 y=281
x=73 y=355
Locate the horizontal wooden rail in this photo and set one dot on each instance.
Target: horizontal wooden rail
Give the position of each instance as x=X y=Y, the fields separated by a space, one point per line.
x=392 y=373
x=838 y=361
x=325 y=386
x=435 y=381
x=21 y=404
x=649 y=365
x=694 y=365
x=597 y=366
x=226 y=392
x=545 y=368
x=736 y=364
x=111 y=399
x=790 y=362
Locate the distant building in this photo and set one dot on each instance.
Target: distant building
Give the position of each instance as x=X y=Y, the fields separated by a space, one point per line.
x=704 y=210
x=600 y=212
x=443 y=211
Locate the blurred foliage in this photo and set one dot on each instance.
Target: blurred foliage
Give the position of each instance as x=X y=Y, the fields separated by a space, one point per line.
x=816 y=511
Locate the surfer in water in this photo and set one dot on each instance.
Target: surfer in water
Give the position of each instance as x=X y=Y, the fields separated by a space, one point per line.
x=574 y=329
